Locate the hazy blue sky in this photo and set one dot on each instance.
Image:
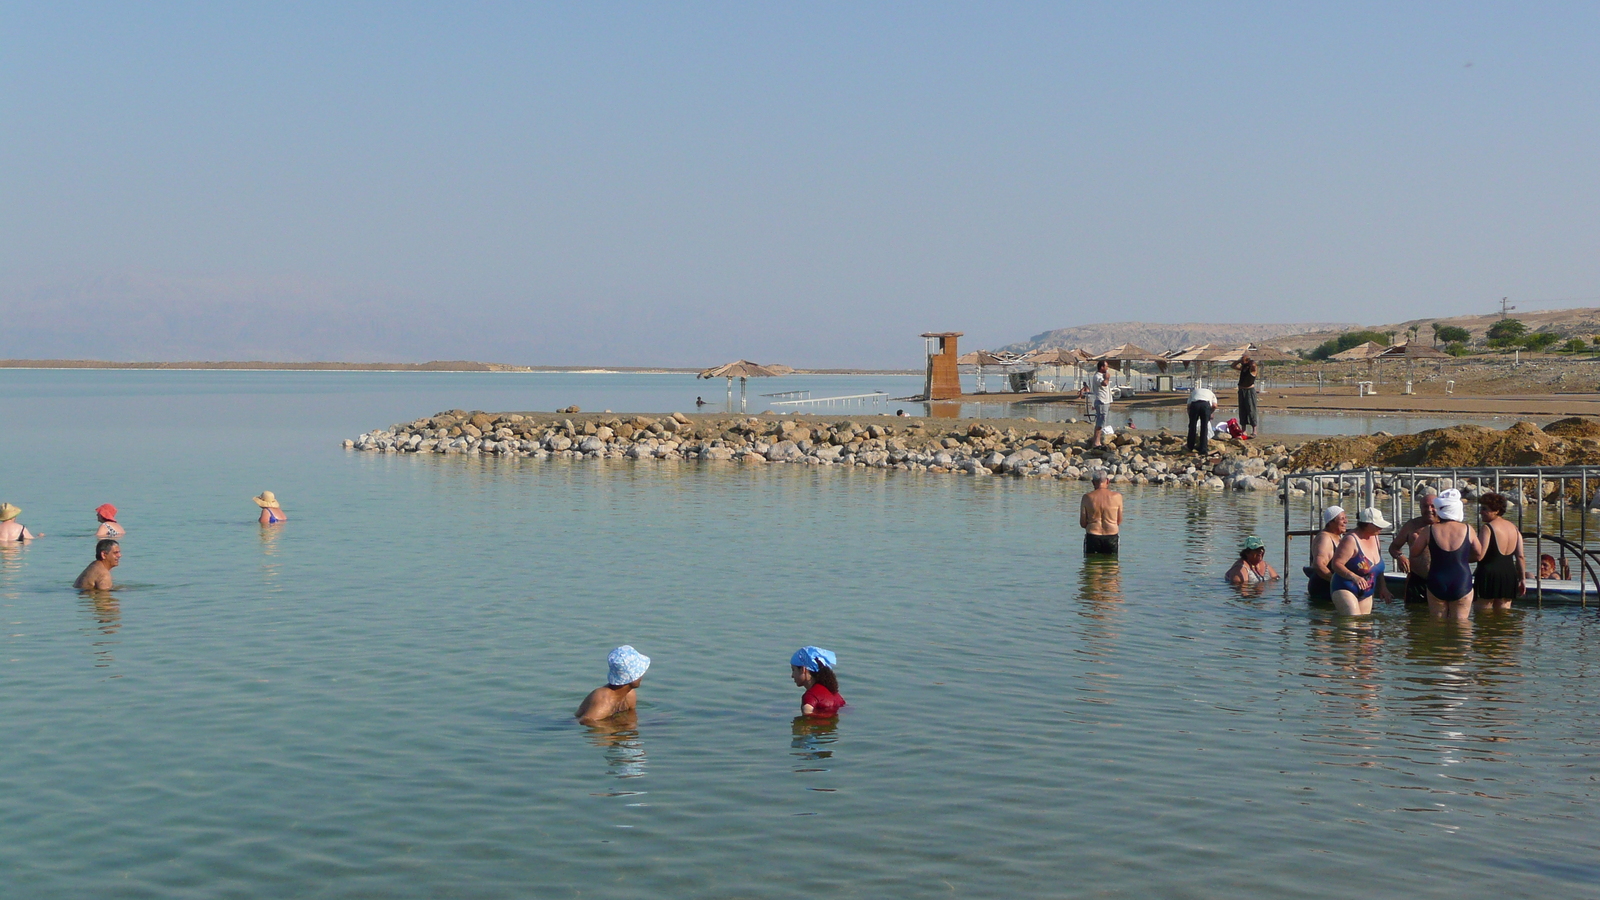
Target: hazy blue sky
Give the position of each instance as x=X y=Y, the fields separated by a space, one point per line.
x=803 y=183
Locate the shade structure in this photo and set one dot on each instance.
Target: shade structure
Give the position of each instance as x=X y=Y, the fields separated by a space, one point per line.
x=739 y=368
x=742 y=369
x=1360 y=352
x=1056 y=356
x=1255 y=352
x=1129 y=353
x=1413 y=350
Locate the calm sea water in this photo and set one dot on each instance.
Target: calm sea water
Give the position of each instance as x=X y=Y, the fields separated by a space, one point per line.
x=375 y=699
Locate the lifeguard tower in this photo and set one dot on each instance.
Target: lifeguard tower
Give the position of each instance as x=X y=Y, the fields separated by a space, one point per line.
x=944 y=381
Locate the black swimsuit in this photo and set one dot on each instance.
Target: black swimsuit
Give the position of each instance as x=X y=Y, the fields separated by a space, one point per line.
x=1497 y=573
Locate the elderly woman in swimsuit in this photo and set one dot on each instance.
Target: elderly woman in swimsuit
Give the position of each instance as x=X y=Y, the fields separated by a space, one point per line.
x=1251 y=567
x=271 y=511
x=1450 y=548
x=1357 y=566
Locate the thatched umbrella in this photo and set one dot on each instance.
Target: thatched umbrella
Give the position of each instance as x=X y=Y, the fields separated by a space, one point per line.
x=742 y=369
x=1360 y=352
x=1411 y=351
x=1060 y=357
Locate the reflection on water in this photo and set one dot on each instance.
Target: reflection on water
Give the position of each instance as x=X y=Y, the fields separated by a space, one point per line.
x=619 y=737
x=269 y=536
x=813 y=740
x=11 y=554
x=105 y=611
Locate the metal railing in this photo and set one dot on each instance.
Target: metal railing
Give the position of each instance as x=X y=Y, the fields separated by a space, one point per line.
x=1552 y=504
x=872 y=399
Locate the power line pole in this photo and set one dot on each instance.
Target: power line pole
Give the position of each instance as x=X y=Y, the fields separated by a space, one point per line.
x=1505 y=308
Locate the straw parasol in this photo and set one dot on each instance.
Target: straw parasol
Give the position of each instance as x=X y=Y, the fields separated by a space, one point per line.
x=1411 y=351
x=742 y=369
x=1360 y=352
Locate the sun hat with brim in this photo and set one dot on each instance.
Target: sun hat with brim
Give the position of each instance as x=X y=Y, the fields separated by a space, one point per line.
x=106 y=511
x=9 y=512
x=1252 y=543
x=1372 y=516
x=266 y=501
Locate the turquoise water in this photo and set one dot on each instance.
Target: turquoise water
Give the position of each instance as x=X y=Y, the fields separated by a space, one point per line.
x=374 y=700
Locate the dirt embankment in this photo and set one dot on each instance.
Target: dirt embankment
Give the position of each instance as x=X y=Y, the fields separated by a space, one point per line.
x=1574 y=441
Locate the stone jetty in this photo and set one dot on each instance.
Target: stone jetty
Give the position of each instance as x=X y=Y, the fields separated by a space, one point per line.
x=1017 y=448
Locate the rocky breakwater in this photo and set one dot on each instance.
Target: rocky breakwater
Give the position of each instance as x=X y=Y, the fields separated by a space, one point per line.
x=1018 y=449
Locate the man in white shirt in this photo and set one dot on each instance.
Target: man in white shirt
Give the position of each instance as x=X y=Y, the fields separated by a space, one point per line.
x=1202 y=402
x=1100 y=384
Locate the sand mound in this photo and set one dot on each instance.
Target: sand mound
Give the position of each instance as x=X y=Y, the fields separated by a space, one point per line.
x=1523 y=444
x=1575 y=428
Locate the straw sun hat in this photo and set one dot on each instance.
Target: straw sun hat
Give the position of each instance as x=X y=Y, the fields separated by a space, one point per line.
x=9 y=512
x=267 y=500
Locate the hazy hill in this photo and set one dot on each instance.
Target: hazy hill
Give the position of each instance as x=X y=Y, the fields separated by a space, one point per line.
x=1565 y=322
x=1158 y=336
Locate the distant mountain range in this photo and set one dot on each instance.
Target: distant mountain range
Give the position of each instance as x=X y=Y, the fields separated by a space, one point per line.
x=1156 y=336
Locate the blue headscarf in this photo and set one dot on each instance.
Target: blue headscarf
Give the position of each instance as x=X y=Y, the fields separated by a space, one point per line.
x=809 y=658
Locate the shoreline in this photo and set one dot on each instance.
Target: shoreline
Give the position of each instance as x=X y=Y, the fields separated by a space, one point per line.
x=432 y=366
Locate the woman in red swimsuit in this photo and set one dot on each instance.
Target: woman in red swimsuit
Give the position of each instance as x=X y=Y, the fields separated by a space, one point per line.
x=812 y=669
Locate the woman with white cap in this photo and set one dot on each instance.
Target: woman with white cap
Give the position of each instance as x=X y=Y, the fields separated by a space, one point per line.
x=1357 y=566
x=1451 y=548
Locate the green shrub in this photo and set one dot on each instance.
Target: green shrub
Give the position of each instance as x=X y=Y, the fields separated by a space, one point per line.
x=1506 y=328
x=1575 y=345
x=1539 y=340
x=1454 y=334
x=1456 y=349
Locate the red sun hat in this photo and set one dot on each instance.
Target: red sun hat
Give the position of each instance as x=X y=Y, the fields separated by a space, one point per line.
x=106 y=511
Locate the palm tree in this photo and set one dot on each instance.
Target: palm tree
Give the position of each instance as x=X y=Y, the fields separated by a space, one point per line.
x=1436 y=327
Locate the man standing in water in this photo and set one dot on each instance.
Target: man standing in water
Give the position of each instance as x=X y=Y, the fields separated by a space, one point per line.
x=97 y=577
x=1100 y=514
x=1416 y=570
x=1322 y=546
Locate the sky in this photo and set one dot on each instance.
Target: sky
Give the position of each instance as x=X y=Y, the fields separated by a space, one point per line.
x=811 y=184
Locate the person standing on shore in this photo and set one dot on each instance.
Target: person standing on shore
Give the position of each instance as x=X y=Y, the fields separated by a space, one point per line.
x=1100 y=514
x=1101 y=386
x=1323 y=543
x=1202 y=403
x=97 y=576
x=1247 y=369
x=1415 y=566
x=10 y=528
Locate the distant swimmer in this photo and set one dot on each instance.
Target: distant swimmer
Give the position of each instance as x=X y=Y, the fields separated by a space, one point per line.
x=812 y=668
x=97 y=577
x=1100 y=514
x=109 y=527
x=1251 y=567
x=10 y=528
x=699 y=401
x=625 y=671
x=271 y=512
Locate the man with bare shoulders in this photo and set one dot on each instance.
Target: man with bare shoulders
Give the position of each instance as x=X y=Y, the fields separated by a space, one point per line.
x=97 y=577
x=626 y=667
x=1100 y=514
x=1416 y=568
x=1323 y=543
